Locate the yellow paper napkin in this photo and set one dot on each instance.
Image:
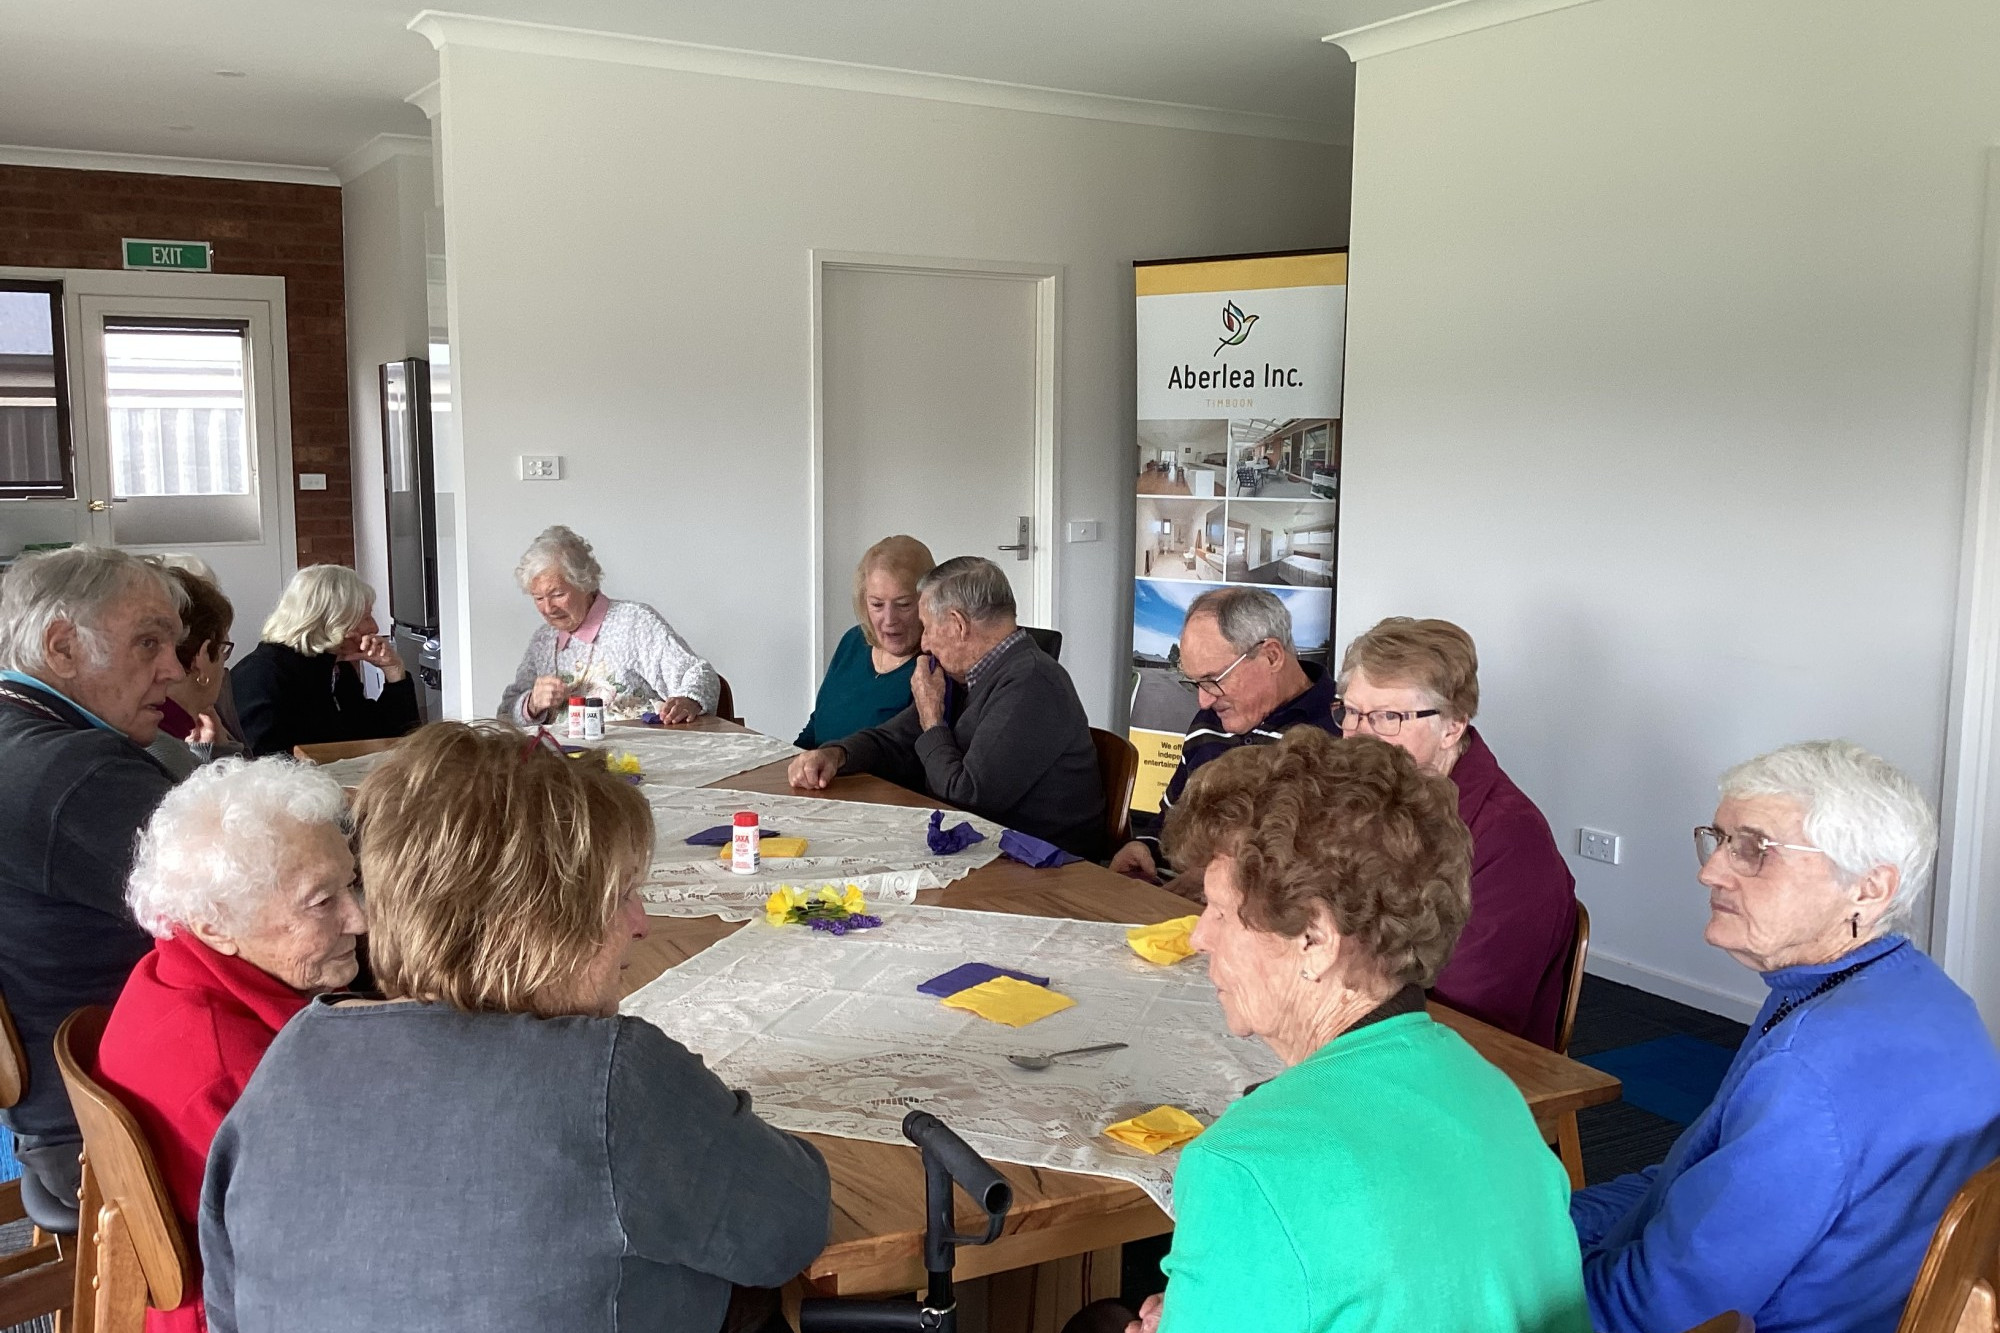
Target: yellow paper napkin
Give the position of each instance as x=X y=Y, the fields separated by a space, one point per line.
x=1006 y=1000
x=1157 y=1130
x=1166 y=942
x=773 y=849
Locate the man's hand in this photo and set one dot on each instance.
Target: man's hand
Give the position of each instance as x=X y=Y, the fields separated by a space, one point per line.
x=1149 y=1316
x=679 y=710
x=548 y=691
x=1136 y=859
x=815 y=770
x=927 y=687
x=380 y=650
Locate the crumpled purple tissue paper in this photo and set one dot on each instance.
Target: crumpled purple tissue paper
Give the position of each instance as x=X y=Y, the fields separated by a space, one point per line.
x=1033 y=851
x=944 y=841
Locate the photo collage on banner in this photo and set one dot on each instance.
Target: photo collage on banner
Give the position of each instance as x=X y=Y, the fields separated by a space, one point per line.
x=1239 y=377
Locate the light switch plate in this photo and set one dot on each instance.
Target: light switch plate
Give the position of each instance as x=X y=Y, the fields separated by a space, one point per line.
x=1085 y=530
x=541 y=467
x=312 y=481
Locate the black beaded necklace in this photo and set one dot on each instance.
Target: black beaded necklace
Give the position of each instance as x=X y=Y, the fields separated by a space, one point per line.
x=1785 y=1007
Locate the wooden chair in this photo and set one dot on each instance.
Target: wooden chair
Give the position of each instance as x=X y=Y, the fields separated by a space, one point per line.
x=36 y=1281
x=725 y=702
x=1118 y=766
x=138 y=1254
x=1958 y=1287
x=1568 y=1141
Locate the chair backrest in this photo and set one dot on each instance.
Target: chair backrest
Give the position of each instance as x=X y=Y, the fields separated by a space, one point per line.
x=1958 y=1287
x=121 y=1164
x=13 y=1060
x=1579 y=950
x=725 y=702
x=1118 y=767
x=1048 y=640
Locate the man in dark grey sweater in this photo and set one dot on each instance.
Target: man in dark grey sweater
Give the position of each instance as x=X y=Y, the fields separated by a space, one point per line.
x=995 y=726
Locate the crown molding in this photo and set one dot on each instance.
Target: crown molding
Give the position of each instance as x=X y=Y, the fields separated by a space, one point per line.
x=448 y=29
x=1449 y=19
x=382 y=148
x=427 y=98
x=84 y=159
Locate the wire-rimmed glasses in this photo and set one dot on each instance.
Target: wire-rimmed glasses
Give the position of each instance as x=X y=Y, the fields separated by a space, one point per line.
x=1747 y=847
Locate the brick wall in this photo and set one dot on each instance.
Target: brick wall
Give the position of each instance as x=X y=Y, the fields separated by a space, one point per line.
x=54 y=218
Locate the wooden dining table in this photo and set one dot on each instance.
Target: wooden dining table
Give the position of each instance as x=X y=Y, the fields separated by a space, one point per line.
x=1061 y=1244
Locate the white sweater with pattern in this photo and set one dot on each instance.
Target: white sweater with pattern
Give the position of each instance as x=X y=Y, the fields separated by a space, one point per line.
x=637 y=661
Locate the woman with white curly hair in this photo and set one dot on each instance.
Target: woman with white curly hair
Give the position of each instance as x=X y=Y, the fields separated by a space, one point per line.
x=245 y=880
x=589 y=644
x=1865 y=1094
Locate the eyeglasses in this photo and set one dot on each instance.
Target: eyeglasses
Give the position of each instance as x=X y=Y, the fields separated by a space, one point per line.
x=1747 y=847
x=1381 y=721
x=1213 y=684
x=228 y=650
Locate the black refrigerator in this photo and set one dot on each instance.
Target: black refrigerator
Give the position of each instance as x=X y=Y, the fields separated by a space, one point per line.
x=409 y=479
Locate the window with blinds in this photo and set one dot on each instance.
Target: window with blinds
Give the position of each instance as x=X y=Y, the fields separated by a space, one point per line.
x=35 y=457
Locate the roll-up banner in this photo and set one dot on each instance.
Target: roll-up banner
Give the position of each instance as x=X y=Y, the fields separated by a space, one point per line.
x=1239 y=463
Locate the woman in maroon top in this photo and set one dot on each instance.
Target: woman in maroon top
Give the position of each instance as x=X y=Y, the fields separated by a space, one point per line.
x=245 y=879
x=1415 y=683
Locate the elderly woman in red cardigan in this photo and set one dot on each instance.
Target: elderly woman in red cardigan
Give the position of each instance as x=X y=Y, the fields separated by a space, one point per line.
x=1415 y=684
x=245 y=879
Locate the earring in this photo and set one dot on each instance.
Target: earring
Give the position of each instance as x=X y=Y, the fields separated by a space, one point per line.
x=1854 y=925
x=1305 y=974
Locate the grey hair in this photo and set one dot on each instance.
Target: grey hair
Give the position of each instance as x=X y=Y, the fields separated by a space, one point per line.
x=560 y=549
x=1245 y=617
x=214 y=850
x=1860 y=809
x=319 y=607
x=971 y=585
x=78 y=585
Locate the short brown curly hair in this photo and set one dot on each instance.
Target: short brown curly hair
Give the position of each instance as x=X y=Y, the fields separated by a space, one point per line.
x=1350 y=823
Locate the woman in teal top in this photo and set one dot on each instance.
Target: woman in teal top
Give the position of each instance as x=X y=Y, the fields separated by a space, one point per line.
x=1389 y=1179
x=868 y=681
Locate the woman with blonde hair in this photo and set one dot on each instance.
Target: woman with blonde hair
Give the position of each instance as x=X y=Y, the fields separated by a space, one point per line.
x=302 y=685
x=489 y=1147
x=868 y=681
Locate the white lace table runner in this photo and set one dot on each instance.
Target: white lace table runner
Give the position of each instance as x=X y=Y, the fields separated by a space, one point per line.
x=880 y=848
x=830 y=1036
x=666 y=758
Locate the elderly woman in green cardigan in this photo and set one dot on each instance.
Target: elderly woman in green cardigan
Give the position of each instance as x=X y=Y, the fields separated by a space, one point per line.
x=868 y=681
x=1389 y=1178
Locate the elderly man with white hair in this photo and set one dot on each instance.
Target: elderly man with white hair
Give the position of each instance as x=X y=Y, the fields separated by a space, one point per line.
x=590 y=645
x=246 y=882
x=1865 y=1094
x=87 y=638
x=994 y=725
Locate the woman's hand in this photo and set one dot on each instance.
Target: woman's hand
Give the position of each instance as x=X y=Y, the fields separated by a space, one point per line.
x=927 y=687
x=206 y=730
x=547 y=692
x=1149 y=1316
x=679 y=710
x=380 y=651
x=815 y=770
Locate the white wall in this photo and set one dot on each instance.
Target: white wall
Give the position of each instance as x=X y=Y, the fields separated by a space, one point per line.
x=1660 y=345
x=629 y=276
x=382 y=221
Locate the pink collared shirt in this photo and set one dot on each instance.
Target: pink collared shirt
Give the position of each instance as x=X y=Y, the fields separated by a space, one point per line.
x=593 y=621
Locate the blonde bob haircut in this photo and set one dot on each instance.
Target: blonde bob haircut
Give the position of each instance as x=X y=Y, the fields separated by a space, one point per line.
x=320 y=607
x=1434 y=656
x=906 y=558
x=493 y=867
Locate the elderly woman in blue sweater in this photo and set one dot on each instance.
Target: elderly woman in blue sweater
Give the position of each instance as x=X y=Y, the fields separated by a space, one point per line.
x=1865 y=1094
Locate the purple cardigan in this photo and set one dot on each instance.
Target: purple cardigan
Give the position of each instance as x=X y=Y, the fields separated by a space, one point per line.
x=1507 y=969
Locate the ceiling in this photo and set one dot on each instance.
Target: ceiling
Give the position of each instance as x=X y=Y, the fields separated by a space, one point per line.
x=307 y=82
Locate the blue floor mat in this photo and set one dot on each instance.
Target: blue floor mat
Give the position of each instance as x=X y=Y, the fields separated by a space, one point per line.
x=1673 y=1077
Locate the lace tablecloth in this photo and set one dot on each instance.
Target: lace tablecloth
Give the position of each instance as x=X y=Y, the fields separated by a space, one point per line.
x=830 y=1036
x=667 y=758
x=880 y=848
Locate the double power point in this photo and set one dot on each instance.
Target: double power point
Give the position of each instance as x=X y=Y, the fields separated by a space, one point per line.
x=1594 y=844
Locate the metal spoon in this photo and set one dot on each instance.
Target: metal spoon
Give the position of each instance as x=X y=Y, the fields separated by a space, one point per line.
x=1044 y=1061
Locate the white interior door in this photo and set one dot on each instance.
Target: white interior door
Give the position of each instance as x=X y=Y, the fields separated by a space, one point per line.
x=936 y=413
x=182 y=436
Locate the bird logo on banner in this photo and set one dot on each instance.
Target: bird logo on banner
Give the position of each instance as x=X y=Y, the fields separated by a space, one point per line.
x=1234 y=323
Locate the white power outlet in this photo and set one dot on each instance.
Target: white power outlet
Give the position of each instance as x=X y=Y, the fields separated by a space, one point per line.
x=312 y=481
x=541 y=467
x=1594 y=844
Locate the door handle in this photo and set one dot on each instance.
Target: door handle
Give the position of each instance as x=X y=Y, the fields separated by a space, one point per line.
x=1022 y=545
x=99 y=506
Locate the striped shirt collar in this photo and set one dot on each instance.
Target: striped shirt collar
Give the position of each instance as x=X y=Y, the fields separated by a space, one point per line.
x=994 y=654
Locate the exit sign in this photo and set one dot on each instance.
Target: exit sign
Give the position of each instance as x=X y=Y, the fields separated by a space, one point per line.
x=183 y=256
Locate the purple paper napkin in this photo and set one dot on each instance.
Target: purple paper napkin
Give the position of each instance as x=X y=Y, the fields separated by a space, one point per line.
x=1033 y=851
x=967 y=975
x=721 y=834
x=944 y=841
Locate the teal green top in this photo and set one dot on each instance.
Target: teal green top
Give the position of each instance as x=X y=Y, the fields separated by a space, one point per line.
x=1393 y=1182
x=852 y=697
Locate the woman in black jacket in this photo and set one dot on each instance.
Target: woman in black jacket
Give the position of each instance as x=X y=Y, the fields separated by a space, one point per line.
x=302 y=685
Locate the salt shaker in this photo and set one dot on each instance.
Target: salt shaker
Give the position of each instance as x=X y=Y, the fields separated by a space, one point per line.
x=745 y=850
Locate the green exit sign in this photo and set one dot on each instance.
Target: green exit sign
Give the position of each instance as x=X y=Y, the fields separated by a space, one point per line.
x=183 y=256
